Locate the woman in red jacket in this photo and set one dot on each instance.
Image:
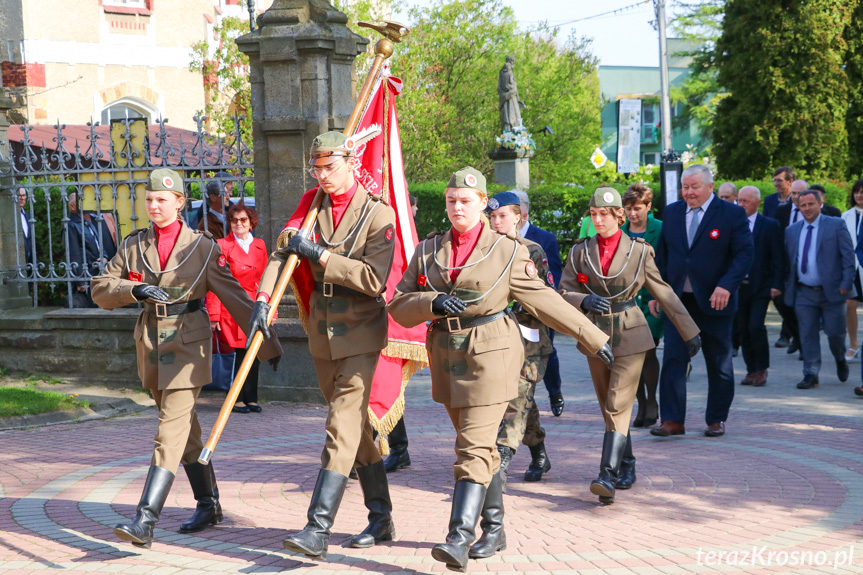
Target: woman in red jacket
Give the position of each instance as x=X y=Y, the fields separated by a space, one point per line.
x=247 y=257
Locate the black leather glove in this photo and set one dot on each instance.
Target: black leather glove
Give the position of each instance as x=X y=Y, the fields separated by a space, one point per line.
x=448 y=305
x=693 y=346
x=305 y=248
x=605 y=355
x=516 y=308
x=258 y=321
x=146 y=291
x=595 y=304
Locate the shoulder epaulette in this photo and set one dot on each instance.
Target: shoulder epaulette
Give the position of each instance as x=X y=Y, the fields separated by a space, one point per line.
x=207 y=233
x=433 y=234
x=581 y=240
x=641 y=241
x=377 y=198
x=135 y=232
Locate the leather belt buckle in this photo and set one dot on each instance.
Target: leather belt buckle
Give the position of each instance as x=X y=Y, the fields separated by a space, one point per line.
x=161 y=310
x=328 y=289
x=453 y=323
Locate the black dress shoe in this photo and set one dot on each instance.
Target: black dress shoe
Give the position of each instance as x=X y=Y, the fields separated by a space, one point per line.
x=557 y=405
x=254 y=407
x=783 y=342
x=715 y=430
x=809 y=381
x=842 y=370
x=793 y=347
x=241 y=409
x=858 y=391
x=396 y=460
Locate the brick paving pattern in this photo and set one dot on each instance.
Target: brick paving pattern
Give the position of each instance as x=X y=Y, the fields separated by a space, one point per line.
x=786 y=479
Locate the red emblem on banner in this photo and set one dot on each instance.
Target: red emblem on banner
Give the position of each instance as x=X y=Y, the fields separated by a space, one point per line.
x=714 y=234
x=582 y=278
x=135 y=277
x=550 y=279
x=389 y=234
x=529 y=268
x=222 y=261
x=422 y=280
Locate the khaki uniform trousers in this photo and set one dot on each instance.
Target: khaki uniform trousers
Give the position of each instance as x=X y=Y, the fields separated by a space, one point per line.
x=178 y=438
x=346 y=384
x=521 y=421
x=615 y=388
x=476 y=453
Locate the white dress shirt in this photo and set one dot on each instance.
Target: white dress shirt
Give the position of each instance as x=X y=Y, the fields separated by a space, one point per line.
x=245 y=244
x=690 y=212
x=523 y=231
x=811 y=277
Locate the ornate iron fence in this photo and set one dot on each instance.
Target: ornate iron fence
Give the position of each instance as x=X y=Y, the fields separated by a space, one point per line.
x=79 y=190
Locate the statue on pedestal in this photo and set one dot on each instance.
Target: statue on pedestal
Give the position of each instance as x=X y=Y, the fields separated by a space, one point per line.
x=507 y=93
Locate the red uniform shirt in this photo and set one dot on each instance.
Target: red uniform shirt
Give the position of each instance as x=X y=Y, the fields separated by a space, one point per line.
x=462 y=246
x=607 y=249
x=166 y=239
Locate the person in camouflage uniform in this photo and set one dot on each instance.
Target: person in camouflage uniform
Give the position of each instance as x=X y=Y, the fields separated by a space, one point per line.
x=520 y=423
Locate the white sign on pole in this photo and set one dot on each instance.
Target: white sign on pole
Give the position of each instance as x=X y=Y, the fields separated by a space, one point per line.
x=671 y=187
x=628 y=136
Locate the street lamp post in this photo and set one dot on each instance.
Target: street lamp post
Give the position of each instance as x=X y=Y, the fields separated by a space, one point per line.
x=251 y=7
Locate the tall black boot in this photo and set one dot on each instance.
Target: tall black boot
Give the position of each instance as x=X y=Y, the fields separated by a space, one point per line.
x=140 y=531
x=539 y=463
x=613 y=444
x=626 y=475
x=493 y=538
x=399 y=458
x=208 y=512
x=467 y=500
x=376 y=493
x=313 y=539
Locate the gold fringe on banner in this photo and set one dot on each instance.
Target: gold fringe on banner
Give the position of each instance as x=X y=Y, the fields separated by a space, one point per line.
x=385 y=424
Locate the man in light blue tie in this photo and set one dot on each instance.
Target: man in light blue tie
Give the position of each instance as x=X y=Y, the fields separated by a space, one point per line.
x=819 y=275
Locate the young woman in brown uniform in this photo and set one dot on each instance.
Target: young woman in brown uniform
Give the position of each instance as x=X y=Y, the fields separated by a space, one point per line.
x=171 y=268
x=603 y=274
x=461 y=282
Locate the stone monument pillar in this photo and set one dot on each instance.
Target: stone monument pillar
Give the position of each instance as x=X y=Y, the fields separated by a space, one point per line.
x=12 y=294
x=303 y=83
x=515 y=146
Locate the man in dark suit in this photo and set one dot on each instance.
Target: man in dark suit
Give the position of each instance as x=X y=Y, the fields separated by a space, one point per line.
x=819 y=274
x=24 y=222
x=763 y=282
x=782 y=178
x=826 y=208
x=704 y=252
x=548 y=242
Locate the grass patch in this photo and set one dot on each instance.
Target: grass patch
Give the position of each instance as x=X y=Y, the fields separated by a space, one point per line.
x=15 y=401
x=37 y=379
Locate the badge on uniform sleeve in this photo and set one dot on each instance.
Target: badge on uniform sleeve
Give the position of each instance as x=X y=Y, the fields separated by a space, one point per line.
x=530 y=269
x=389 y=234
x=222 y=261
x=550 y=279
x=135 y=277
x=714 y=234
x=422 y=280
x=582 y=278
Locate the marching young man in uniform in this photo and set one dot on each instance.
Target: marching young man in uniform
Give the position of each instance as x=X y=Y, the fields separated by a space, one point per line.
x=520 y=423
x=602 y=277
x=462 y=281
x=170 y=268
x=350 y=258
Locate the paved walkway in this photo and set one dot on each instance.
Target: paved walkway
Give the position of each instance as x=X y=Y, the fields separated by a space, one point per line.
x=785 y=482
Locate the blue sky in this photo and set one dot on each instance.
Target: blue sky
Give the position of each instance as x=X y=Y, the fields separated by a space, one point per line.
x=623 y=39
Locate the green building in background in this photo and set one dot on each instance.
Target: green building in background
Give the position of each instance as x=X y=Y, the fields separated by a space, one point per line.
x=636 y=82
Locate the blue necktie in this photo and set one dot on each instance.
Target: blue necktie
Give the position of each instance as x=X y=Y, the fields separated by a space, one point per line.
x=804 y=265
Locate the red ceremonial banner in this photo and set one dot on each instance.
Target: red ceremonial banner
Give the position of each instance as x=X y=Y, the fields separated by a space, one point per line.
x=380 y=171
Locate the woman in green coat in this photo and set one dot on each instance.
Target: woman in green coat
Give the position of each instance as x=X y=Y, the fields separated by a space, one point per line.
x=640 y=223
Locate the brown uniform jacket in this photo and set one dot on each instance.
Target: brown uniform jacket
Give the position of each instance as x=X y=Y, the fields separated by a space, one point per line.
x=345 y=325
x=175 y=352
x=543 y=347
x=628 y=329
x=481 y=365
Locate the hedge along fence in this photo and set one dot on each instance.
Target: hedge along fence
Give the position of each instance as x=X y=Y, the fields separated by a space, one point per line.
x=559 y=207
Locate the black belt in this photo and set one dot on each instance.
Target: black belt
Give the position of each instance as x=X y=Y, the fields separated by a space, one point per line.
x=456 y=323
x=174 y=309
x=619 y=306
x=816 y=288
x=329 y=290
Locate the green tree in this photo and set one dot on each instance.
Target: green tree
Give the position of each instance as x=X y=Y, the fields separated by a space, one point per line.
x=226 y=82
x=448 y=111
x=782 y=62
x=700 y=22
x=854 y=70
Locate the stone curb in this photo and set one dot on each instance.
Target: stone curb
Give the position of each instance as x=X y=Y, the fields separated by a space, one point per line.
x=101 y=410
